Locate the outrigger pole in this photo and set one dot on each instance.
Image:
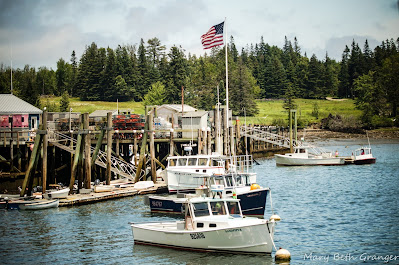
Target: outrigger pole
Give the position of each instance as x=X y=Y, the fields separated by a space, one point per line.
x=227 y=84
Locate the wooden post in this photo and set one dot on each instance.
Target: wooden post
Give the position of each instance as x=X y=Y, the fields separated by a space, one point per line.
x=75 y=160
x=45 y=144
x=33 y=158
x=171 y=144
x=291 y=147
x=135 y=149
x=19 y=152
x=232 y=145
x=152 y=148
x=87 y=151
x=199 y=142
x=26 y=157
x=209 y=141
x=109 y=147
x=98 y=147
x=142 y=152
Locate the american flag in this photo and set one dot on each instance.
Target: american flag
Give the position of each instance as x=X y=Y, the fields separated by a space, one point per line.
x=213 y=37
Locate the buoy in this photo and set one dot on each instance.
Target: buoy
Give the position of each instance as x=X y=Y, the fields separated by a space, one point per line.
x=255 y=186
x=282 y=255
x=275 y=217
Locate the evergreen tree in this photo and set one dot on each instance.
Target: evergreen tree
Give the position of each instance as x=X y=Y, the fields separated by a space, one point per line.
x=74 y=72
x=343 y=77
x=156 y=95
x=177 y=75
x=64 y=102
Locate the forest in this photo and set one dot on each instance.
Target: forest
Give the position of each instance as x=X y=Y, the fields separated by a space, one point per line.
x=148 y=72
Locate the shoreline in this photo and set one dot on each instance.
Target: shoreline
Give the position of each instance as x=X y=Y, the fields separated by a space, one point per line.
x=321 y=134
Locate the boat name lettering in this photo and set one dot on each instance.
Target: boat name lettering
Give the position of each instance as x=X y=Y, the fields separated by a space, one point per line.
x=156 y=203
x=197 y=235
x=233 y=230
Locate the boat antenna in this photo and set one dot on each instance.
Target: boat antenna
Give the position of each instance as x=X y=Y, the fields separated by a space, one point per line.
x=368 y=140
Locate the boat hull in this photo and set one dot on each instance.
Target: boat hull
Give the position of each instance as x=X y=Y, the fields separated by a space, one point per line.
x=256 y=238
x=40 y=205
x=56 y=194
x=365 y=161
x=282 y=160
x=253 y=203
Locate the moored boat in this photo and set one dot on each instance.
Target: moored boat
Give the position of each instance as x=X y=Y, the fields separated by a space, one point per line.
x=252 y=196
x=362 y=156
x=210 y=225
x=39 y=205
x=56 y=194
x=302 y=157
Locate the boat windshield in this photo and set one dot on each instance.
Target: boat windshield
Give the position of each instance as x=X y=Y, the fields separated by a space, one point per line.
x=229 y=181
x=201 y=209
x=182 y=162
x=233 y=208
x=218 y=208
x=172 y=162
x=192 y=161
x=202 y=161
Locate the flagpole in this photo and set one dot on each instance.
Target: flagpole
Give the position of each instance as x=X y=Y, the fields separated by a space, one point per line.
x=227 y=84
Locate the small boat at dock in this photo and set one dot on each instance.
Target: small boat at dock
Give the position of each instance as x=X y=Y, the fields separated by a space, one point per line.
x=302 y=157
x=361 y=156
x=210 y=225
x=39 y=205
x=56 y=194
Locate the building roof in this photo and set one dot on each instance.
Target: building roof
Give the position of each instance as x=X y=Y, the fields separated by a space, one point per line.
x=102 y=113
x=177 y=107
x=10 y=104
x=195 y=114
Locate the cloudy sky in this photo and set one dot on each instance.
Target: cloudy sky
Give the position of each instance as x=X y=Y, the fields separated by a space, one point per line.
x=40 y=32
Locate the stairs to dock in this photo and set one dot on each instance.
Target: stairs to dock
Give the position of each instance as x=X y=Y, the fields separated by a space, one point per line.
x=118 y=166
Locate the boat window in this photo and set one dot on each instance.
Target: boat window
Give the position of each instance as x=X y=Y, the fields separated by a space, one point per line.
x=229 y=181
x=302 y=151
x=200 y=225
x=239 y=180
x=233 y=208
x=212 y=225
x=182 y=162
x=192 y=161
x=201 y=209
x=246 y=180
x=202 y=161
x=218 y=208
x=172 y=162
x=217 y=163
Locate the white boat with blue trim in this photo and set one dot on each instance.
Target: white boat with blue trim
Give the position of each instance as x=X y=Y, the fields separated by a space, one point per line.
x=210 y=225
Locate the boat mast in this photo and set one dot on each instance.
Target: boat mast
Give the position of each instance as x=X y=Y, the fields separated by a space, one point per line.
x=227 y=84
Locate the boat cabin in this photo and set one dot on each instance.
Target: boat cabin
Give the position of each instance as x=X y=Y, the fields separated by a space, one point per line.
x=364 y=151
x=208 y=213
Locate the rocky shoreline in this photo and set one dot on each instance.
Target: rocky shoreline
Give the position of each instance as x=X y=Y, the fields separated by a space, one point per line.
x=315 y=134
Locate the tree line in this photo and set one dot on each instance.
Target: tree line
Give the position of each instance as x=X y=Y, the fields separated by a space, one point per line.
x=148 y=72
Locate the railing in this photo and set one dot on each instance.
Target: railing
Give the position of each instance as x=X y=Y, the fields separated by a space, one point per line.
x=118 y=166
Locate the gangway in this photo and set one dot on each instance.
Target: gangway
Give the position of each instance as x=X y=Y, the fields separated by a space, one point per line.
x=261 y=134
x=118 y=166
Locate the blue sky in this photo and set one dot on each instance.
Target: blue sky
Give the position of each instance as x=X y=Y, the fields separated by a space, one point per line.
x=40 y=32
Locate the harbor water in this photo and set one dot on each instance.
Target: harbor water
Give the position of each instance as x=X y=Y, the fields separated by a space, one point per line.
x=329 y=215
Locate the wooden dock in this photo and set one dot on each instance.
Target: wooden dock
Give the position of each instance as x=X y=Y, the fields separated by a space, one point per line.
x=117 y=193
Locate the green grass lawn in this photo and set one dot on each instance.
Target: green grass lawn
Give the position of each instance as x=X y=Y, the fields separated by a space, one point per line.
x=269 y=111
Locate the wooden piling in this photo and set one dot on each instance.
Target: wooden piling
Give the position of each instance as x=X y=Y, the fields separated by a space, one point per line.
x=152 y=148
x=142 y=151
x=109 y=147
x=45 y=144
x=75 y=159
x=87 y=151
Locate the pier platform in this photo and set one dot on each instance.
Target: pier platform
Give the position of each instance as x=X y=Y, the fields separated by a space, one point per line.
x=81 y=199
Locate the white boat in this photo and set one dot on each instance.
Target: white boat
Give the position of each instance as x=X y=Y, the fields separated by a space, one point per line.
x=103 y=188
x=252 y=196
x=186 y=173
x=302 y=157
x=362 y=156
x=39 y=205
x=56 y=194
x=210 y=225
